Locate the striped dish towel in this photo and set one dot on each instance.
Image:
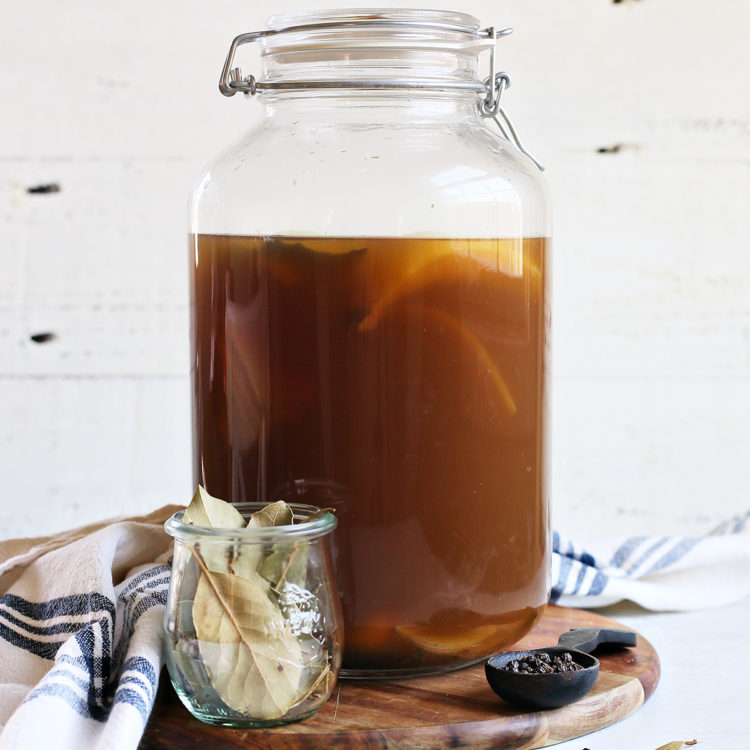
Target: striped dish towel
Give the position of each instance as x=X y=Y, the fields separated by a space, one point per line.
x=80 y=634
x=659 y=573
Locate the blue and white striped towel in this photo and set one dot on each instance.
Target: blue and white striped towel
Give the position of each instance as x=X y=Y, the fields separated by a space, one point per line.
x=81 y=616
x=80 y=634
x=659 y=573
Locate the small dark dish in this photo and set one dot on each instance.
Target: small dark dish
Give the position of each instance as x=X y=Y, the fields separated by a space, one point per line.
x=555 y=689
x=541 y=690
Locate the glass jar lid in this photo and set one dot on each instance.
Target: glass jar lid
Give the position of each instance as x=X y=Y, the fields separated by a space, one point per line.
x=363 y=42
x=376 y=50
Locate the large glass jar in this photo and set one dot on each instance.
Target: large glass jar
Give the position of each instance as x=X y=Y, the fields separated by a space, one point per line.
x=369 y=310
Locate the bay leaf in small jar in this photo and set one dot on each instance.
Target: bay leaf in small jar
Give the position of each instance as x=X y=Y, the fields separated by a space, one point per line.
x=274 y=514
x=287 y=564
x=250 y=654
x=208 y=511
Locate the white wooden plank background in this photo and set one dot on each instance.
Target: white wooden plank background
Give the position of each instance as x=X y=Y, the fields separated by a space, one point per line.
x=117 y=103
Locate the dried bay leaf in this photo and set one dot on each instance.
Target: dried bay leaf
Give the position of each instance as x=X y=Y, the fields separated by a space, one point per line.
x=186 y=581
x=193 y=676
x=318 y=513
x=286 y=563
x=677 y=745
x=317 y=682
x=184 y=618
x=252 y=659
x=205 y=510
x=242 y=679
x=300 y=608
x=274 y=514
x=289 y=563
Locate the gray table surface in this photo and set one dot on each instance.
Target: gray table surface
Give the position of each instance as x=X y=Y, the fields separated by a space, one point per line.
x=703 y=693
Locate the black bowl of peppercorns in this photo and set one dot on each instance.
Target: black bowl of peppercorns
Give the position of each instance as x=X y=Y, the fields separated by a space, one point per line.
x=542 y=678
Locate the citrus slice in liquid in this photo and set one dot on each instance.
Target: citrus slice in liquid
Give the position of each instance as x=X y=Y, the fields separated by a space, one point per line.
x=492 y=276
x=476 y=350
x=467 y=637
x=438 y=641
x=442 y=336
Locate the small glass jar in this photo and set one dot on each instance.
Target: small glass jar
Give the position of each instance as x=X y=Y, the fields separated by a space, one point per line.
x=253 y=634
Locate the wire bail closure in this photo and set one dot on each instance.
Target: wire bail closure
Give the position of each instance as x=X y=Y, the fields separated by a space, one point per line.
x=232 y=80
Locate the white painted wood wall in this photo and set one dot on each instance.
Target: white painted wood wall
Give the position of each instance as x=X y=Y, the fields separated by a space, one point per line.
x=117 y=102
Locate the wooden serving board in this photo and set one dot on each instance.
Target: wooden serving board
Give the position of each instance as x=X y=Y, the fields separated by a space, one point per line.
x=453 y=710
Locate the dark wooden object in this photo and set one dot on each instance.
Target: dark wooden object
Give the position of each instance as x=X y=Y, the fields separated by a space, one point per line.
x=454 y=710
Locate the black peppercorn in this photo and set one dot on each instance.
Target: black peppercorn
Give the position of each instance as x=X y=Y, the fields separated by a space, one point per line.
x=543 y=664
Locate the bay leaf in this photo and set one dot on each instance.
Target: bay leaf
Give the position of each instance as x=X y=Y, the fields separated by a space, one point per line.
x=205 y=510
x=244 y=560
x=300 y=609
x=317 y=667
x=184 y=618
x=318 y=513
x=253 y=660
x=191 y=675
x=676 y=745
x=274 y=514
x=287 y=562
x=317 y=681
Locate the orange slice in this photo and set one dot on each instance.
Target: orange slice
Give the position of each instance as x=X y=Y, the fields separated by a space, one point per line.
x=463 y=334
x=437 y=641
x=443 y=336
x=490 y=275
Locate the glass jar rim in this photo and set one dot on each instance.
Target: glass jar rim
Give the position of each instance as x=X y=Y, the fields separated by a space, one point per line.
x=457 y=21
x=359 y=29
x=320 y=526
x=368 y=31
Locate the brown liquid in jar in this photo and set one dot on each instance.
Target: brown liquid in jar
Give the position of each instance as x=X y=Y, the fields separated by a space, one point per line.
x=401 y=381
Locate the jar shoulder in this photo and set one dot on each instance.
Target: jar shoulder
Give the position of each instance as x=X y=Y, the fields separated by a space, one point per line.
x=452 y=180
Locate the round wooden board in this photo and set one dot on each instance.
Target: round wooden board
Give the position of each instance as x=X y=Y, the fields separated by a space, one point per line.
x=453 y=710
